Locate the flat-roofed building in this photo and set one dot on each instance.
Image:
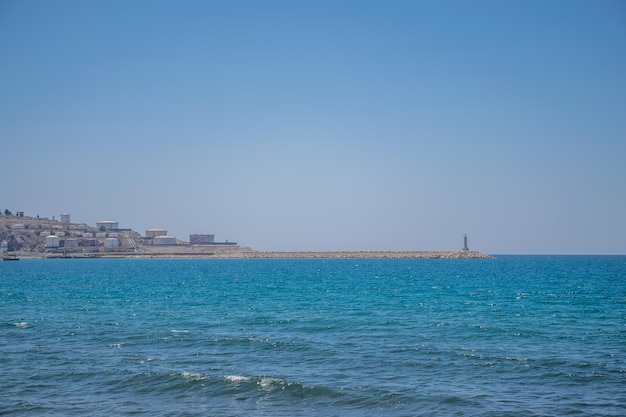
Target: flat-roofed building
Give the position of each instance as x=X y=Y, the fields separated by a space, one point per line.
x=201 y=239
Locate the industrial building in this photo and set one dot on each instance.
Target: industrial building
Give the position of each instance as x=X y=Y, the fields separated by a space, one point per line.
x=201 y=239
x=65 y=218
x=108 y=225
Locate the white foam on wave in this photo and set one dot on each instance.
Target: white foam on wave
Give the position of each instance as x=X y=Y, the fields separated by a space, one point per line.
x=270 y=382
x=21 y=324
x=194 y=376
x=179 y=331
x=235 y=379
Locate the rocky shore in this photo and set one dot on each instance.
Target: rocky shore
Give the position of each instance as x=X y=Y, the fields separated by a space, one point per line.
x=357 y=255
x=249 y=254
x=25 y=237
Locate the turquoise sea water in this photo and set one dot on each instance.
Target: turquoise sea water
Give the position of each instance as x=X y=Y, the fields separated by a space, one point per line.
x=532 y=336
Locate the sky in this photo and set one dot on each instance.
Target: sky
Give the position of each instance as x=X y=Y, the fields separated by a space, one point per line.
x=322 y=125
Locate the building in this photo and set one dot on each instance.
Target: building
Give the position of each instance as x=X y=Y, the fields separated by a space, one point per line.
x=152 y=233
x=108 y=225
x=201 y=239
x=65 y=218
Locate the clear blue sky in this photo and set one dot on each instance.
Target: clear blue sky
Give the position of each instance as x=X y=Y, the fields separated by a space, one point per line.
x=322 y=125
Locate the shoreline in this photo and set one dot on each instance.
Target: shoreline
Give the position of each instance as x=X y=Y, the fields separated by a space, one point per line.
x=267 y=255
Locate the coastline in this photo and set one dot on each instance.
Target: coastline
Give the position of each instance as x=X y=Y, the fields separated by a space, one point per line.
x=250 y=254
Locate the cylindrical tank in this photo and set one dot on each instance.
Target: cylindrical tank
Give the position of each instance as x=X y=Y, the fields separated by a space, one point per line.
x=87 y=234
x=52 y=242
x=151 y=233
x=111 y=242
x=71 y=242
x=164 y=240
x=114 y=234
x=65 y=218
x=101 y=235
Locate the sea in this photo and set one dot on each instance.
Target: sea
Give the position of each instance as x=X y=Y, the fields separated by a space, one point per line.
x=508 y=336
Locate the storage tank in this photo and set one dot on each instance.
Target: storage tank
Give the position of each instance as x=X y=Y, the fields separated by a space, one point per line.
x=114 y=234
x=111 y=242
x=87 y=234
x=164 y=240
x=65 y=218
x=52 y=241
x=152 y=233
x=71 y=242
x=101 y=235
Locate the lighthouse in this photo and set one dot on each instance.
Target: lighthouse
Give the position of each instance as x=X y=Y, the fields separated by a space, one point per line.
x=465 y=248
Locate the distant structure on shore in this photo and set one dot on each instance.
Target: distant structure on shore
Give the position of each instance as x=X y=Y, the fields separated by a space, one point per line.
x=201 y=239
x=107 y=224
x=207 y=240
x=465 y=248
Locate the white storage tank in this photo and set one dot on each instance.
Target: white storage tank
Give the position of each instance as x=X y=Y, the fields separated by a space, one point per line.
x=108 y=225
x=164 y=240
x=101 y=235
x=59 y=233
x=44 y=234
x=152 y=233
x=111 y=242
x=116 y=235
x=87 y=234
x=65 y=218
x=52 y=241
x=71 y=242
